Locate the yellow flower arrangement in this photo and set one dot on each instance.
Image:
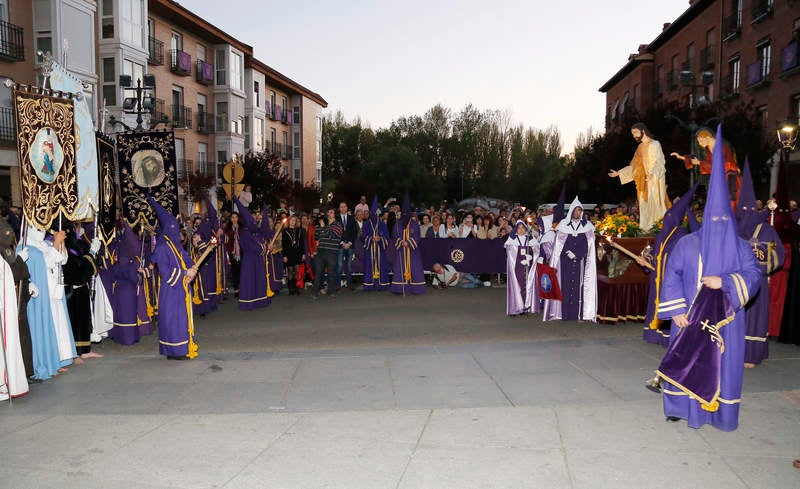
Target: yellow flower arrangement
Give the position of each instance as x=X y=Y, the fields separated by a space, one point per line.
x=618 y=225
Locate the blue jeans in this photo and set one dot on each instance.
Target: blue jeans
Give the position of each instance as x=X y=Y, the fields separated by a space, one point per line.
x=471 y=282
x=345 y=260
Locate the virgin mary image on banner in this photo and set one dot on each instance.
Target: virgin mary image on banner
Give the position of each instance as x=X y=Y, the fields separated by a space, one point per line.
x=46 y=155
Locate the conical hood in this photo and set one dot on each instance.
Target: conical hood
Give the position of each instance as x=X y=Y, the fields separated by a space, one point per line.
x=674 y=216
x=574 y=205
x=374 y=209
x=170 y=226
x=211 y=214
x=747 y=212
x=406 y=207
x=558 y=211
x=129 y=245
x=719 y=232
x=7 y=236
x=264 y=225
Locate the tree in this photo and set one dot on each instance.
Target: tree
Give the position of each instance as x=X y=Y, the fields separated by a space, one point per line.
x=270 y=184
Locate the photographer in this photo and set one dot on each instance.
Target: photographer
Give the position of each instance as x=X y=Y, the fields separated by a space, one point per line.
x=329 y=236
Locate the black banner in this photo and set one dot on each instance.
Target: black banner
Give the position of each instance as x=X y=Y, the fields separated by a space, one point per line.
x=147 y=167
x=107 y=192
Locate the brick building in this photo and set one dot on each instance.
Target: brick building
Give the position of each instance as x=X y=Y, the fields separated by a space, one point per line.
x=717 y=49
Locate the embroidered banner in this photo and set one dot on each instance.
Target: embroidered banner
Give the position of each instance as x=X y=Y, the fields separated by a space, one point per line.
x=46 y=151
x=85 y=147
x=147 y=167
x=107 y=166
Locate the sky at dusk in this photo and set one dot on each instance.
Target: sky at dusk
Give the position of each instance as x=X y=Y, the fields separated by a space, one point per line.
x=379 y=60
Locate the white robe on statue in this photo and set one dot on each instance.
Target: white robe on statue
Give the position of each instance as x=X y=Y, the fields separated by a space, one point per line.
x=653 y=199
x=12 y=374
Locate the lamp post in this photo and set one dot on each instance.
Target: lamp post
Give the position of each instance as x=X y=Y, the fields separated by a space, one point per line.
x=141 y=103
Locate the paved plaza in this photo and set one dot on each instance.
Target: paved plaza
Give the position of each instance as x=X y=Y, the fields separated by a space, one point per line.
x=379 y=391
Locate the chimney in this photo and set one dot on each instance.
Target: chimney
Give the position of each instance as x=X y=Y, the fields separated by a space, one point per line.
x=642 y=48
x=666 y=26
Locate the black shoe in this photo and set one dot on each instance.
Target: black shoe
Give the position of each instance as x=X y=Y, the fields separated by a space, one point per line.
x=175 y=357
x=672 y=419
x=652 y=388
x=34 y=380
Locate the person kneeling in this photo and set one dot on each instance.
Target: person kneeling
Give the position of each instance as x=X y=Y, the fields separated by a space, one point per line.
x=447 y=276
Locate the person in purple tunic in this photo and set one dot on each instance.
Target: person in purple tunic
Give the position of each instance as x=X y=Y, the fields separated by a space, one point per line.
x=274 y=258
x=706 y=263
x=126 y=273
x=574 y=259
x=175 y=323
x=408 y=275
x=253 y=293
x=375 y=235
x=770 y=254
x=521 y=256
x=220 y=259
x=204 y=287
x=672 y=230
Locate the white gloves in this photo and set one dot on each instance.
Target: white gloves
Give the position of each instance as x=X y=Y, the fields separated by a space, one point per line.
x=23 y=253
x=570 y=255
x=540 y=260
x=95 y=247
x=33 y=290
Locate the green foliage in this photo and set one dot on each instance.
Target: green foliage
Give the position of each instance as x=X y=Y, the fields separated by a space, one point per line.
x=271 y=185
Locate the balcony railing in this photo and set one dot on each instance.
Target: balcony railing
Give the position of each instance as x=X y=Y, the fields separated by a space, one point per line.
x=731 y=25
x=707 y=57
x=181 y=116
x=180 y=62
x=204 y=72
x=757 y=74
x=8 y=129
x=762 y=9
x=672 y=79
x=155 y=49
x=206 y=169
x=688 y=65
x=205 y=123
x=12 y=46
x=185 y=168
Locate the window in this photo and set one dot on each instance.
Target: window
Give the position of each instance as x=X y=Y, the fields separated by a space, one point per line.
x=764 y=55
x=132 y=22
x=109 y=82
x=176 y=42
x=237 y=71
x=737 y=11
x=296 y=146
x=222 y=156
x=178 y=119
x=319 y=158
x=202 y=103
x=624 y=104
x=615 y=110
x=258 y=134
x=734 y=68
x=42 y=22
x=273 y=136
x=283 y=106
x=201 y=53
x=107 y=21
x=690 y=52
x=256 y=94
x=285 y=141
x=795 y=109
x=296 y=115
x=763 y=116
x=272 y=102
x=222 y=116
x=136 y=71
x=220 y=67
x=296 y=174
x=247 y=133
x=202 y=157
x=180 y=156
x=636 y=96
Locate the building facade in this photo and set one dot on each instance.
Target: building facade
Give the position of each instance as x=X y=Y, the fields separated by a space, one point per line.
x=200 y=81
x=743 y=50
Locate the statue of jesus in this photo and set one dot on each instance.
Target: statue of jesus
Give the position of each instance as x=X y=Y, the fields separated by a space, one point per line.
x=648 y=172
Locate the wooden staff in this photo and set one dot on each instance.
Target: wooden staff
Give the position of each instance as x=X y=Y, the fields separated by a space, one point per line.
x=628 y=252
x=211 y=245
x=277 y=232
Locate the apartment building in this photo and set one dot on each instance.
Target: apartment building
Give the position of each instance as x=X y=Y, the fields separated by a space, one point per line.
x=66 y=28
x=738 y=50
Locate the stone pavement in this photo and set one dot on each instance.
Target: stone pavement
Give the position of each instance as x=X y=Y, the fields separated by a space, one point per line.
x=374 y=391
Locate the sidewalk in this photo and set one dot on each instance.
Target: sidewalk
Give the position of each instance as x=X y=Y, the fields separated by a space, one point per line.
x=512 y=413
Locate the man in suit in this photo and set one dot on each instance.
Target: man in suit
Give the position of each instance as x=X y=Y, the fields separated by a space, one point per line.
x=349 y=234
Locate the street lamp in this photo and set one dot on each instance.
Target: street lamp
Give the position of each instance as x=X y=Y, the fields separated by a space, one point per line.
x=787 y=137
x=141 y=103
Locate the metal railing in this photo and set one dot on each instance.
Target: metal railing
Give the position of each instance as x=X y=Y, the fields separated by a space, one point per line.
x=204 y=72
x=155 y=50
x=12 y=46
x=180 y=62
x=688 y=65
x=731 y=25
x=728 y=86
x=181 y=116
x=185 y=168
x=205 y=122
x=8 y=128
x=761 y=10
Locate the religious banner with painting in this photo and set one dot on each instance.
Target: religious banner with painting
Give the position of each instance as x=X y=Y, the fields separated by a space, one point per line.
x=46 y=151
x=107 y=166
x=85 y=147
x=147 y=167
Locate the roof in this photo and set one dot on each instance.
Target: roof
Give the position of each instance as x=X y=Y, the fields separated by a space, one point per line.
x=691 y=13
x=178 y=15
x=284 y=81
x=632 y=63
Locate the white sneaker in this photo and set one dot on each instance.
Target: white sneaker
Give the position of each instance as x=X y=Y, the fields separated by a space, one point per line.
x=487 y=284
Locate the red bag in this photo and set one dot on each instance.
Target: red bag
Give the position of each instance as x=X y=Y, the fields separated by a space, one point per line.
x=547 y=282
x=301 y=276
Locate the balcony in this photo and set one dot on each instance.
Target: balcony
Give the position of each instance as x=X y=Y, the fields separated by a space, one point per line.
x=672 y=79
x=207 y=169
x=205 y=123
x=204 y=72
x=762 y=10
x=688 y=65
x=707 y=60
x=155 y=49
x=12 y=47
x=789 y=64
x=274 y=113
x=758 y=74
x=729 y=86
x=180 y=62
x=185 y=168
x=658 y=89
x=181 y=116
x=731 y=26
x=8 y=130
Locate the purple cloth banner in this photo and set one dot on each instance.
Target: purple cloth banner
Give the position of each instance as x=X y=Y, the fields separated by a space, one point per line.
x=184 y=61
x=789 y=56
